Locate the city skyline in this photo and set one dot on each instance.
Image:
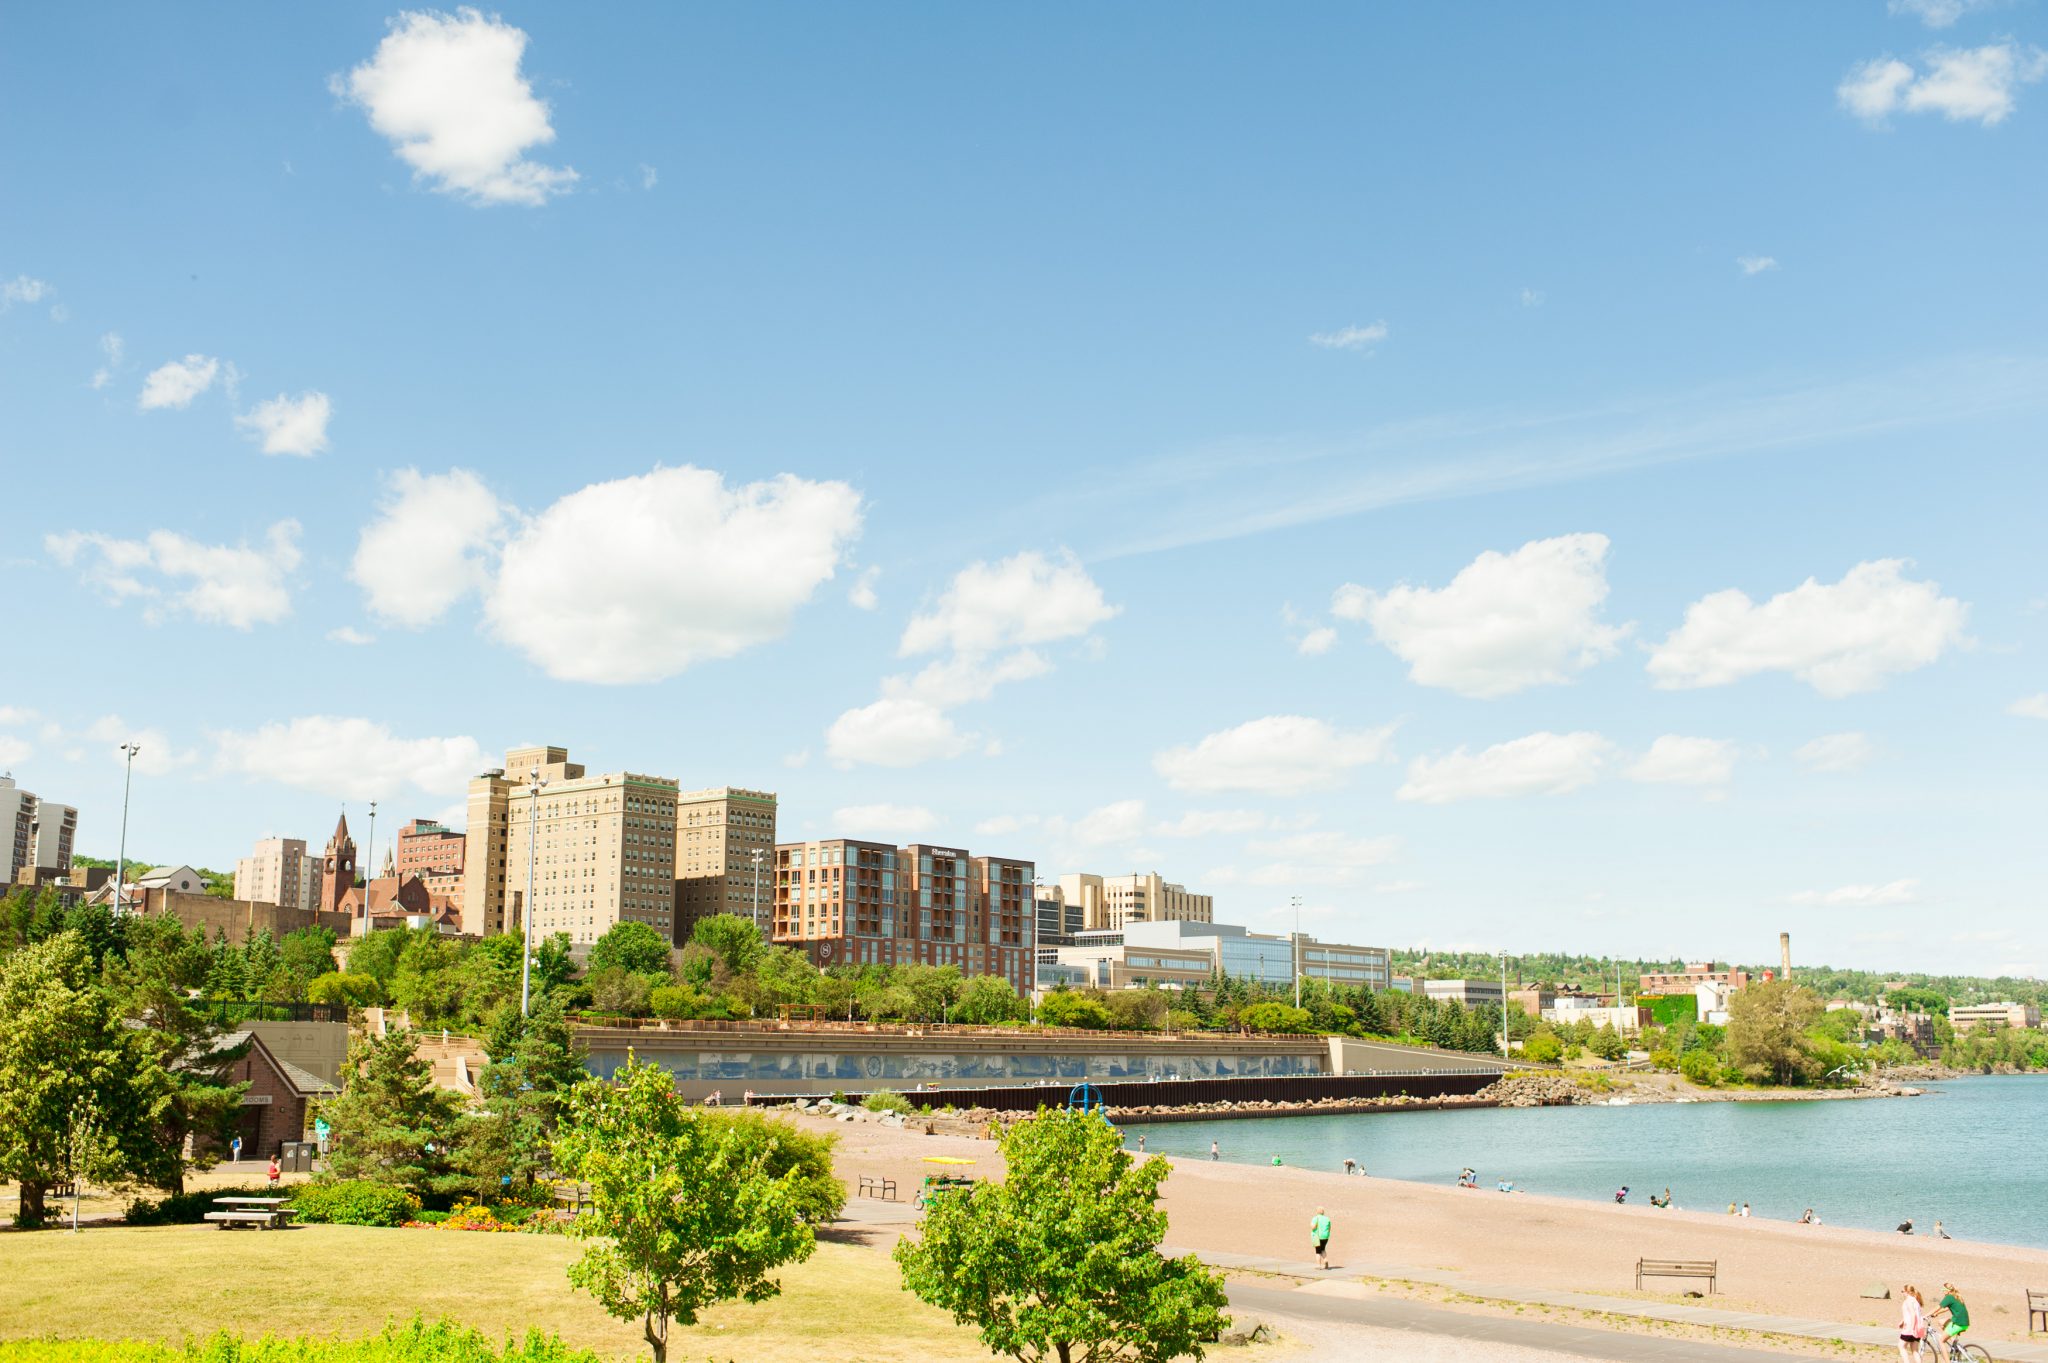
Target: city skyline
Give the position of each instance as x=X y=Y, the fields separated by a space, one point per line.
x=1253 y=457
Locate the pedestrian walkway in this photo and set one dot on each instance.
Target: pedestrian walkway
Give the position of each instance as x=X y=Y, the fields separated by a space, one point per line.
x=1335 y=1284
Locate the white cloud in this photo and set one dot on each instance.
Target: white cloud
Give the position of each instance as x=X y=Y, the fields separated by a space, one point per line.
x=1117 y=822
x=16 y=714
x=14 y=750
x=1002 y=825
x=447 y=91
x=884 y=821
x=649 y=176
x=349 y=634
x=1538 y=764
x=1028 y=598
x=433 y=542
x=1399 y=887
x=2030 y=707
x=896 y=731
x=862 y=594
x=1324 y=857
x=794 y=760
x=1277 y=755
x=1755 y=265
x=1937 y=13
x=1209 y=823
x=1317 y=642
x=112 y=350
x=1835 y=752
x=221 y=584
x=155 y=754
x=175 y=384
x=23 y=289
x=1839 y=639
x=288 y=425
x=1677 y=760
x=1532 y=298
x=637 y=579
x=1861 y=896
x=1972 y=84
x=348 y=757
x=952 y=682
x=1351 y=338
x=1505 y=622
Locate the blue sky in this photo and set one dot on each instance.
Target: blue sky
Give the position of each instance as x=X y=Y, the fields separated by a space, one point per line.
x=1309 y=456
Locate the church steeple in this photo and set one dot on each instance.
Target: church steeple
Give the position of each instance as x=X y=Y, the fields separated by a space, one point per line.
x=338 y=868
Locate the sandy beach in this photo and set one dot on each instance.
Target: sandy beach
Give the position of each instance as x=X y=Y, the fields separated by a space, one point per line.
x=1384 y=1226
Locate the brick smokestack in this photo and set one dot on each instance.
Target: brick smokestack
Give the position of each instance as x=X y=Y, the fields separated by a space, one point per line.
x=1785 y=955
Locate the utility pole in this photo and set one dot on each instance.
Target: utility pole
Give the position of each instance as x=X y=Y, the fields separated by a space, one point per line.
x=1297 y=951
x=534 y=784
x=130 y=748
x=370 y=860
x=1503 y=1005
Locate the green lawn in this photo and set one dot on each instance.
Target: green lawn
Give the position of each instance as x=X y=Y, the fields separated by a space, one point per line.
x=168 y=1282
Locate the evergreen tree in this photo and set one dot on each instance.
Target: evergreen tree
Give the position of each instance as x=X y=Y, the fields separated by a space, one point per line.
x=188 y=1058
x=535 y=1063
x=390 y=1124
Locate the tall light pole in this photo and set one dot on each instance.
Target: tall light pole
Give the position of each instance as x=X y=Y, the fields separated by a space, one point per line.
x=1503 y=1005
x=535 y=783
x=1297 y=951
x=121 y=861
x=370 y=860
x=757 y=854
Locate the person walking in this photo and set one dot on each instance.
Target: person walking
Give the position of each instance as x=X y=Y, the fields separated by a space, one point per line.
x=1214 y=1151
x=1319 y=1232
x=273 y=1173
x=1141 y=1142
x=1912 y=1323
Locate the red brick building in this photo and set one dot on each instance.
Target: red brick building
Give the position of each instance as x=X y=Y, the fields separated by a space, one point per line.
x=278 y=1104
x=427 y=849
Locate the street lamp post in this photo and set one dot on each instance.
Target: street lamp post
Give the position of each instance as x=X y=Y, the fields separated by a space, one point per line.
x=1297 y=951
x=535 y=782
x=121 y=861
x=1503 y=1005
x=370 y=860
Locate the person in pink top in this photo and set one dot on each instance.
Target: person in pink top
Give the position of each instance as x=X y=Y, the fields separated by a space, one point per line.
x=1912 y=1323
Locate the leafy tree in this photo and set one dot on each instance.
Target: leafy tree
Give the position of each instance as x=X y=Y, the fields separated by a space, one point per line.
x=1607 y=1043
x=933 y=989
x=804 y=1157
x=785 y=976
x=619 y=991
x=70 y=1085
x=631 y=946
x=535 y=1062
x=1275 y=1017
x=1137 y=1010
x=1543 y=1047
x=1767 y=1026
x=685 y=1213
x=987 y=1000
x=307 y=953
x=390 y=1124
x=1061 y=1259
x=348 y=990
x=1700 y=1067
x=187 y=1056
x=1071 y=1008
x=734 y=941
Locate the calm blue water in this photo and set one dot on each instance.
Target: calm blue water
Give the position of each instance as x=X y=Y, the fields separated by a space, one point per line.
x=1969 y=1153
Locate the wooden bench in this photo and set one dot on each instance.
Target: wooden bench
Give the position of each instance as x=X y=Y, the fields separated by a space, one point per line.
x=2037 y=1305
x=884 y=1188
x=574 y=1197
x=1709 y=1269
x=276 y=1219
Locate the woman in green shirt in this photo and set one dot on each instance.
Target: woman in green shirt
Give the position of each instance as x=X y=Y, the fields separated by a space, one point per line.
x=1958 y=1314
x=1319 y=1231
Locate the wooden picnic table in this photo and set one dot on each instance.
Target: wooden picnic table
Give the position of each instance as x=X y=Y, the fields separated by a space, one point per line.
x=264 y=1213
x=252 y=1201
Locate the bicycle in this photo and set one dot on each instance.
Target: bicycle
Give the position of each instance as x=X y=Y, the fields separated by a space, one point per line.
x=1956 y=1351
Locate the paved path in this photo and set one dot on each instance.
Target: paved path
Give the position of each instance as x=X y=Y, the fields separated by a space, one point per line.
x=1334 y=1285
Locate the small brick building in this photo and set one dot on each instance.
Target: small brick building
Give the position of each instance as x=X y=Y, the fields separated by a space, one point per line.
x=278 y=1104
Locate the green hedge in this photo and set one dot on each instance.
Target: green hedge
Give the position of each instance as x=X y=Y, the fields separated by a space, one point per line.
x=354 y=1202
x=442 y=1342
x=1666 y=1009
x=187 y=1208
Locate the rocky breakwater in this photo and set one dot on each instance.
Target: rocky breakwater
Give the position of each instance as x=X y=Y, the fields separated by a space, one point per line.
x=1537 y=1090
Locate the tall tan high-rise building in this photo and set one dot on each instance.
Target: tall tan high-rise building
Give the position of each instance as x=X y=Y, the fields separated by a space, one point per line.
x=718 y=832
x=867 y=903
x=279 y=872
x=1109 y=902
x=602 y=848
x=34 y=833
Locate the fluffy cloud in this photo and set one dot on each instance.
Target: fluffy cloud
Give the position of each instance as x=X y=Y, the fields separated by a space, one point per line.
x=288 y=425
x=23 y=289
x=1755 y=265
x=447 y=91
x=1973 y=84
x=1839 y=639
x=155 y=754
x=1277 y=755
x=349 y=634
x=2030 y=707
x=1861 y=896
x=952 y=682
x=862 y=593
x=433 y=542
x=175 y=384
x=1538 y=764
x=1936 y=13
x=1681 y=761
x=897 y=731
x=1317 y=642
x=635 y=580
x=1505 y=622
x=1324 y=857
x=1028 y=598
x=357 y=759
x=218 y=583
x=884 y=821
x=1834 y=752
x=1351 y=338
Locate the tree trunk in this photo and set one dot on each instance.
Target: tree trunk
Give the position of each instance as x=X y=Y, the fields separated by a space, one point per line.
x=657 y=1340
x=31 y=1212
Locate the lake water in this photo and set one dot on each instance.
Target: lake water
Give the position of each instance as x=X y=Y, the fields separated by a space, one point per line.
x=1969 y=1153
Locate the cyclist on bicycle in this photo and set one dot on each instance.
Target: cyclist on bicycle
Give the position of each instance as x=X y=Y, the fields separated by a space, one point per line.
x=1958 y=1316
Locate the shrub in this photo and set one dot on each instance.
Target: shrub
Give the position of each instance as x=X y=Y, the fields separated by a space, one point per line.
x=441 y=1342
x=1666 y=1060
x=1699 y=1067
x=187 y=1208
x=886 y=1102
x=354 y=1202
x=787 y=1149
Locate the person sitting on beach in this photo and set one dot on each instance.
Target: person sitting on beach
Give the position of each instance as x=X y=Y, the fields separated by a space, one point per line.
x=1731 y=1209
x=1506 y=1186
x=1906 y=1226
x=1806 y=1217
x=1468 y=1178
x=1664 y=1201
x=1744 y=1211
x=1941 y=1234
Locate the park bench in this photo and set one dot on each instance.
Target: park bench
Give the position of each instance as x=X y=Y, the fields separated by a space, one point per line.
x=1709 y=1269
x=884 y=1188
x=574 y=1197
x=2037 y=1305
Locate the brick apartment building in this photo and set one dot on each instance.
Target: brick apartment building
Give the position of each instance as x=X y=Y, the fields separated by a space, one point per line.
x=848 y=902
x=426 y=848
